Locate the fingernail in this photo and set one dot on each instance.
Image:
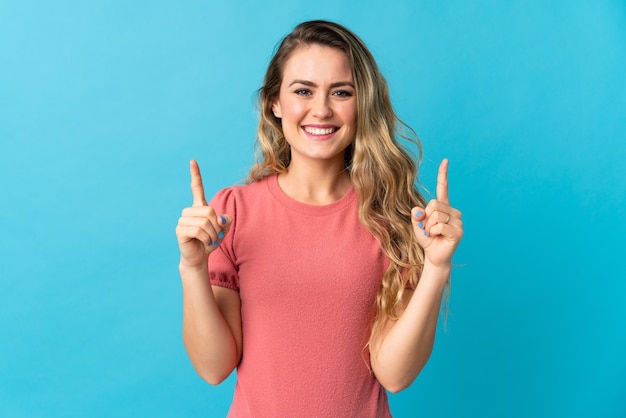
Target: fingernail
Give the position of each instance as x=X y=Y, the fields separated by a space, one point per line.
x=220 y=235
x=223 y=220
x=425 y=233
x=421 y=224
x=418 y=214
x=216 y=243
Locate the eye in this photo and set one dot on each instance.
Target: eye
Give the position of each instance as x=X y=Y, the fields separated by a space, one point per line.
x=303 y=92
x=343 y=93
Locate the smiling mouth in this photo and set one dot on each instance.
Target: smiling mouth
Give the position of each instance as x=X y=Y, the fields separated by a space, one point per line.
x=319 y=131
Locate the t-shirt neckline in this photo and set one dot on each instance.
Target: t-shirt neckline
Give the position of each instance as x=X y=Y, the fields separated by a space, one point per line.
x=292 y=204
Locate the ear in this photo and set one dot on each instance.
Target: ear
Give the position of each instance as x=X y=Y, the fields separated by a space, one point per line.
x=276 y=109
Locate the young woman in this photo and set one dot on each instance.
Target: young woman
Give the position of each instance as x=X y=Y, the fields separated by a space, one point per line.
x=320 y=280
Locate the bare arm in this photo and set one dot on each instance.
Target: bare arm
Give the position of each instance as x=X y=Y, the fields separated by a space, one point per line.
x=211 y=315
x=404 y=346
x=211 y=326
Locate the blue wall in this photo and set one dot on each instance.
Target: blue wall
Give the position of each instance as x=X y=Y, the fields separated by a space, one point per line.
x=102 y=104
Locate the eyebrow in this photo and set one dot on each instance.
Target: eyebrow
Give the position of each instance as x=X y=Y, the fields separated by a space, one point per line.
x=312 y=84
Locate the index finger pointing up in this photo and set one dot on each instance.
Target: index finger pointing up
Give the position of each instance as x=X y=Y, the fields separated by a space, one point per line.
x=442 y=182
x=197 y=189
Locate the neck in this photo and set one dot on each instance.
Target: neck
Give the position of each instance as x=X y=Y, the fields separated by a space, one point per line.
x=314 y=183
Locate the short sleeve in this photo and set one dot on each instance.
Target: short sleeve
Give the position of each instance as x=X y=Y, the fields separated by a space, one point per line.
x=223 y=270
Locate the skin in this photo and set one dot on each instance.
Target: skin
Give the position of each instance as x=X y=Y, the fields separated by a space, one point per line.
x=211 y=314
x=403 y=348
x=316 y=92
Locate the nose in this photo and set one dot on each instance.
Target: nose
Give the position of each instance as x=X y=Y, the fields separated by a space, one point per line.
x=321 y=107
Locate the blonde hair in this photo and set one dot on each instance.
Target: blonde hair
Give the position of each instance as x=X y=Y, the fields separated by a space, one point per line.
x=382 y=170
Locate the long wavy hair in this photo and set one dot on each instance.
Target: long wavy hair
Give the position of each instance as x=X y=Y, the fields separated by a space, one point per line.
x=383 y=171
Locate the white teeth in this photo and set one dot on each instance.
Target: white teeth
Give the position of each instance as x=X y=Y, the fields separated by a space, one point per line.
x=319 y=131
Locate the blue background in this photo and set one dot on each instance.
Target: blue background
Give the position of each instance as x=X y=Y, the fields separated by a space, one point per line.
x=102 y=104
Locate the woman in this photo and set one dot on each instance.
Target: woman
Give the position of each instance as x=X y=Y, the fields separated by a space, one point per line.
x=327 y=268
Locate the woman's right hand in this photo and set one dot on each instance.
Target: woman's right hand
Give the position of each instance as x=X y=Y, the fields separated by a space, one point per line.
x=200 y=230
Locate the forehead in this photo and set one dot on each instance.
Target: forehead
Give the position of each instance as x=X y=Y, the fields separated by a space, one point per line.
x=318 y=63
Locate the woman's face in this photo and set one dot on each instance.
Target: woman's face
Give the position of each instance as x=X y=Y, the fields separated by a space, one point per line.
x=317 y=104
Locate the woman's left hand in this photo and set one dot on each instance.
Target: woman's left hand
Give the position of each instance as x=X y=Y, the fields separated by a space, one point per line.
x=438 y=227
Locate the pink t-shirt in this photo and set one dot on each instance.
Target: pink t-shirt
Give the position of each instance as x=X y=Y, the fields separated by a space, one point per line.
x=307 y=277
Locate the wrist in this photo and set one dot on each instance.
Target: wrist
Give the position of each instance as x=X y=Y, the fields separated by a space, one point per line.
x=445 y=267
x=194 y=279
x=438 y=273
x=192 y=269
